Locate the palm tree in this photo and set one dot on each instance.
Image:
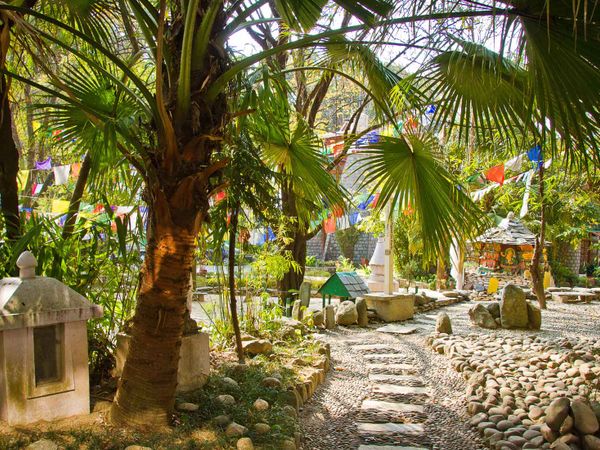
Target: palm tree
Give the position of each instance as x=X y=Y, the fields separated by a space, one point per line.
x=175 y=94
x=168 y=119
x=547 y=90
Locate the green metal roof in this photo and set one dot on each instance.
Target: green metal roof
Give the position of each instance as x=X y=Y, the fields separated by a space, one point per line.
x=344 y=284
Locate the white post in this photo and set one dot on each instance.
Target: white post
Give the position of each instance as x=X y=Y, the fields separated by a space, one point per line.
x=388 y=267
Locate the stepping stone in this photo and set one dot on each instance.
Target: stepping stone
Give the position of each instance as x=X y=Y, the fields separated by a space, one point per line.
x=395 y=379
x=390 y=428
x=388 y=447
x=388 y=356
x=409 y=368
x=372 y=347
x=391 y=407
x=399 y=390
x=397 y=329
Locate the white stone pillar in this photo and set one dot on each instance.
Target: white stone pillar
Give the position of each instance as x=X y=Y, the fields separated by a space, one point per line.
x=388 y=266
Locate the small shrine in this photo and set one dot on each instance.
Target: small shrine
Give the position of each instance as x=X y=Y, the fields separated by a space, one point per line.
x=44 y=372
x=345 y=285
x=507 y=248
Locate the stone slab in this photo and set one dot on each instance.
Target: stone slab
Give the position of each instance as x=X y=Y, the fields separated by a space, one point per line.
x=370 y=347
x=392 y=307
x=393 y=367
x=393 y=407
x=390 y=428
x=388 y=356
x=400 y=390
x=397 y=329
x=395 y=379
x=389 y=447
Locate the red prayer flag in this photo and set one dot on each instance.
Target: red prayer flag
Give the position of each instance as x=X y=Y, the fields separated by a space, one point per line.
x=496 y=174
x=375 y=200
x=75 y=168
x=220 y=196
x=329 y=225
x=338 y=211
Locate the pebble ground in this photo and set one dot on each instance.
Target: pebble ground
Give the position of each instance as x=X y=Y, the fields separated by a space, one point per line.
x=330 y=420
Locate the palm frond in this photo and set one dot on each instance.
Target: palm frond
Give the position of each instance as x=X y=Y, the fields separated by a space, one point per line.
x=292 y=148
x=408 y=174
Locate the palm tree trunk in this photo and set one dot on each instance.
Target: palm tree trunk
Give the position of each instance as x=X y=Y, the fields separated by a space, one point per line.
x=77 y=196
x=146 y=393
x=537 y=278
x=231 y=275
x=9 y=168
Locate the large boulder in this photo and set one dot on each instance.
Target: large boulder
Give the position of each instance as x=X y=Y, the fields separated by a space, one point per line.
x=257 y=346
x=534 y=316
x=481 y=317
x=513 y=307
x=443 y=324
x=363 y=313
x=494 y=309
x=347 y=313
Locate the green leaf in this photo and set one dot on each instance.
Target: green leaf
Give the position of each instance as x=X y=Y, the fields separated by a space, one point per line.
x=300 y=15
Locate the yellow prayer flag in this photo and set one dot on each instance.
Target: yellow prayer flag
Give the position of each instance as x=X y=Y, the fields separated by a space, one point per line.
x=547 y=279
x=22 y=178
x=493 y=286
x=60 y=206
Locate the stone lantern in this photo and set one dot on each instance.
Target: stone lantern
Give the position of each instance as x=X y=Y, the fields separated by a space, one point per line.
x=44 y=372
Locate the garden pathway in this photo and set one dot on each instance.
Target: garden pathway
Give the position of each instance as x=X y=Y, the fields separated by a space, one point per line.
x=388 y=391
x=393 y=413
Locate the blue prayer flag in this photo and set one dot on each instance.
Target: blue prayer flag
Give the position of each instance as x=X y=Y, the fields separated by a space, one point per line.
x=535 y=154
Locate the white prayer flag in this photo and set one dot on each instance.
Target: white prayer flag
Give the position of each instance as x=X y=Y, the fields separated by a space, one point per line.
x=61 y=174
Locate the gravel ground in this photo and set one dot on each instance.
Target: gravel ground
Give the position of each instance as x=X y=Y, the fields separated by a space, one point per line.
x=328 y=420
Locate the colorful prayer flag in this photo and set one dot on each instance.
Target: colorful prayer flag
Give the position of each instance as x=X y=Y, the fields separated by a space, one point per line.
x=329 y=225
x=60 y=206
x=44 y=165
x=496 y=174
x=375 y=200
x=22 y=177
x=535 y=154
x=61 y=174
x=75 y=169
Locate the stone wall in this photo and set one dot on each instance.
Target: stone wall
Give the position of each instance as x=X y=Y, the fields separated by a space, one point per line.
x=569 y=256
x=363 y=249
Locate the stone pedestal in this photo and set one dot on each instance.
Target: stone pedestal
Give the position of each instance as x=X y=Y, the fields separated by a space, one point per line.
x=392 y=307
x=194 y=360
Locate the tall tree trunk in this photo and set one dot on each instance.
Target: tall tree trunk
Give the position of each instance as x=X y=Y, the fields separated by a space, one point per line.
x=231 y=269
x=297 y=243
x=293 y=279
x=537 y=276
x=9 y=168
x=178 y=184
x=146 y=393
x=71 y=219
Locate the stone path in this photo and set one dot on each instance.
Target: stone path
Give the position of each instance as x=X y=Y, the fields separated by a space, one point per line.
x=392 y=416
